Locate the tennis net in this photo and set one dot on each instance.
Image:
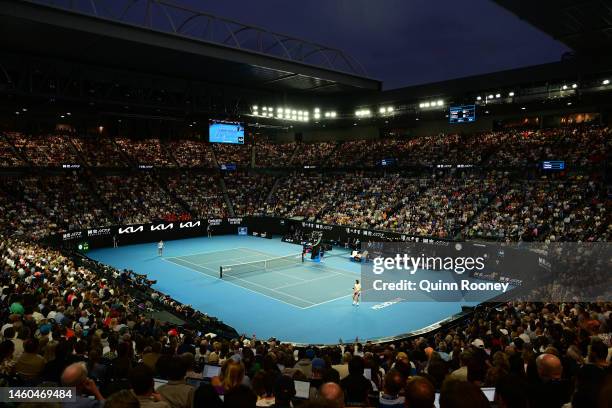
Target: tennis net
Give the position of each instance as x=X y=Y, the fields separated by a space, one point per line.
x=263 y=265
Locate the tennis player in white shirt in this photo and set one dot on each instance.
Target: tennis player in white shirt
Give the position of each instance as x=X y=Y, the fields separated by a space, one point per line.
x=356 y=292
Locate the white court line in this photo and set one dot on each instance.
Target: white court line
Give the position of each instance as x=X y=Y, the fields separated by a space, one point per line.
x=238 y=286
x=274 y=290
x=257 y=284
x=203 y=253
x=327 y=301
x=307 y=281
x=204 y=267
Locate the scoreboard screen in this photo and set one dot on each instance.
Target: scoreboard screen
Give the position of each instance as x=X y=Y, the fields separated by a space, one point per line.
x=553 y=165
x=462 y=114
x=225 y=132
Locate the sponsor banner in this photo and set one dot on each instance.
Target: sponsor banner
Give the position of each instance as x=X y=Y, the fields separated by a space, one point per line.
x=344 y=233
x=161 y=226
x=215 y=221
x=99 y=232
x=189 y=224
x=476 y=272
x=234 y=221
x=130 y=229
x=69 y=236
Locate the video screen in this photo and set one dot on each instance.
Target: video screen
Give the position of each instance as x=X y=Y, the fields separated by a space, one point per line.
x=462 y=114
x=225 y=132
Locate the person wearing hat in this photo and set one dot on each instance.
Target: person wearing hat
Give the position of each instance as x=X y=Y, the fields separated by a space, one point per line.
x=316 y=378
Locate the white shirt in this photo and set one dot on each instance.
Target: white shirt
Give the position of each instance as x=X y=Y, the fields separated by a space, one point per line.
x=160 y=245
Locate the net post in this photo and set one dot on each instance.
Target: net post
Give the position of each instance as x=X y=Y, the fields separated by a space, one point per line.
x=220 y=272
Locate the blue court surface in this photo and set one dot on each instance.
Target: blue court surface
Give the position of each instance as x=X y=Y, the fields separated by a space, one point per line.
x=302 y=303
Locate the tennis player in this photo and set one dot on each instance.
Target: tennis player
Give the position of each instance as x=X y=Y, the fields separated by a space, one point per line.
x=356 y=292
x=160 y=248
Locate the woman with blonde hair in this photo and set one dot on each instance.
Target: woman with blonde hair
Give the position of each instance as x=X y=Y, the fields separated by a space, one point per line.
x=230 y=376
x=234 y=374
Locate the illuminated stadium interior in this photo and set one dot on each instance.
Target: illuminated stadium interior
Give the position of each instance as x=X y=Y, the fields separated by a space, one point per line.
x=198 y=212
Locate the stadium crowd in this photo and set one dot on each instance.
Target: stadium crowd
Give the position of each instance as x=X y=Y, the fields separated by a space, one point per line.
x=90 y=327
x=68 y=321
x=274 y=154
x=200 y=192
x=138 y=198
x=248 y=192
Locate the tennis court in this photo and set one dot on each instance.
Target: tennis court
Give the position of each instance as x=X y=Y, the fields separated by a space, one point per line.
x=285 y=279
x=309 y=303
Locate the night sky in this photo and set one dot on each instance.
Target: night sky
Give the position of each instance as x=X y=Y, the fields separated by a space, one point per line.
x=403 y=42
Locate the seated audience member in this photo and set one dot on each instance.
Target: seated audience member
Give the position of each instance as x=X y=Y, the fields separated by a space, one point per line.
x=7 y=365
x=333 y=393
x=122 y=399
x=30 y=364
x=356 y=387
x=392 y=386
x=419 y=393
x=549 y=389
x=511 y=392
x=342 y=369
x=141 y=381
x=176 y=391
x=240 y=396
x=151 y=356
x=284 y=391
x=75 y=375
x=462 y=394
x=206 y=396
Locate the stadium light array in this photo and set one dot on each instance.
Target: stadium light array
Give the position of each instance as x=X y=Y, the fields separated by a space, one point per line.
x=431 y=104
x=498 y=95
x=564 y=87
x=388 y=110
x=605 y=82
x=511 y=94
x=491 y=96
x=574 y=86
x=363 y=113
x=479 y=98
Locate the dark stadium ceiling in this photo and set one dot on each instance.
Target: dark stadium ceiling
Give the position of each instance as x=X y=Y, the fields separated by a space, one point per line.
x=583 y=25
x=158 y=37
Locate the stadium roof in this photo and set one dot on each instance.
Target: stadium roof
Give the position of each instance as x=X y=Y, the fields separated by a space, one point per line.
x=583 y=25
x=159 y=37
